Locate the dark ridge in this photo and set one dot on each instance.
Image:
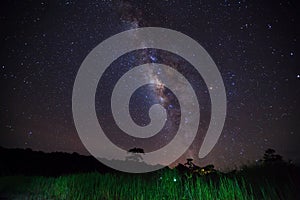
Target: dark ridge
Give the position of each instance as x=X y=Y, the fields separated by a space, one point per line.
x=37 y=163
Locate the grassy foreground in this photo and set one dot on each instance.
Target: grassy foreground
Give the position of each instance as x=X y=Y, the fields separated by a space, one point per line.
x=167 y=184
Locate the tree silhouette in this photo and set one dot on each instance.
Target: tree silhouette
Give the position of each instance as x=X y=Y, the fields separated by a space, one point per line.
x=136 y=150
x=189 y=164
x=270 y=157
x=135 y=154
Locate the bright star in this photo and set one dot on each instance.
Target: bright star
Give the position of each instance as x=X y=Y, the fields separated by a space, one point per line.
x=153 y=58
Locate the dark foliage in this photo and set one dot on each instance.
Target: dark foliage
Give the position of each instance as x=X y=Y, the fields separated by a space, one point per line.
x=271 y=158
x=136 y=150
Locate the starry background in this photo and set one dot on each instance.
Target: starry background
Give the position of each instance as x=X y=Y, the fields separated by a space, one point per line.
x=253 y=43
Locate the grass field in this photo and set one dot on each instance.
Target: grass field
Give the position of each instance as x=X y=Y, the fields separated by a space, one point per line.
x=166 y=184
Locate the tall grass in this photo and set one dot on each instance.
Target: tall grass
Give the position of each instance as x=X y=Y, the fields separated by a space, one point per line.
x=168 y=184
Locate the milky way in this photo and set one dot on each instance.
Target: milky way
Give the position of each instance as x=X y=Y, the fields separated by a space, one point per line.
x=254 y=45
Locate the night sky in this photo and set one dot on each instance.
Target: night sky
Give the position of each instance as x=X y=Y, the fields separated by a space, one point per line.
x=254 y=44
